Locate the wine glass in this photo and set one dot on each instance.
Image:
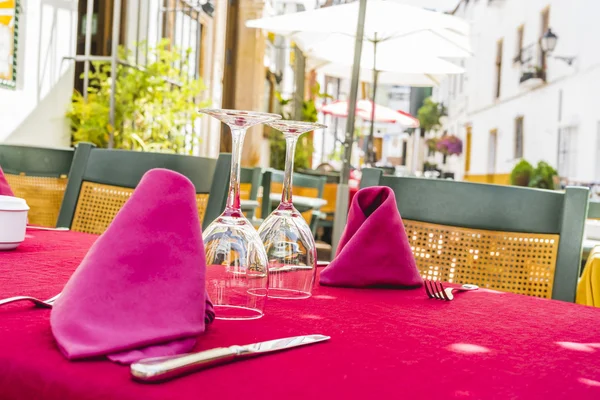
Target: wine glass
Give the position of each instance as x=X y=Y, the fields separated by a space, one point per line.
x=287 y=238
x=236 y=273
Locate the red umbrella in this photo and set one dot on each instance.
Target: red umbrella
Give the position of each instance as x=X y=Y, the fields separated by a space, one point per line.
x=364 y=109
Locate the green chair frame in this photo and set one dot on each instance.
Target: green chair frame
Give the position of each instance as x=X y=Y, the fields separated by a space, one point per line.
x=498 y=208
x=36 y=161
x=39 y=176
x=125 y=169
x=300 y=180
x=594 y=209
x=330 y=177
x=253 y=176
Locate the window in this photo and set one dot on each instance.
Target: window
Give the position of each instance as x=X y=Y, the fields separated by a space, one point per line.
x=519 y=137
x=492 y=145
x=567 y=152
x=182 y=24
x=519 y=50
x=498 y=67
x=544 y=25
x=468 y=147
x=461 y=77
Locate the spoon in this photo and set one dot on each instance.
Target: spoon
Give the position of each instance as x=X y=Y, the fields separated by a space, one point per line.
x=39 y=303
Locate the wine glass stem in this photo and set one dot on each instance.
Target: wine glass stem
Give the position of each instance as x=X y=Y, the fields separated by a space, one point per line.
x=290 y=150
x=237 y=141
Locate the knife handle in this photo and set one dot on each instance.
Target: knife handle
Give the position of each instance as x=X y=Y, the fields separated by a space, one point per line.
x=162 y=368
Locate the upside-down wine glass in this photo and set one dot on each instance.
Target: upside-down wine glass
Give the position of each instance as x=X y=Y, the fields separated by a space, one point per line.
x=287 y=238
x=236 y=261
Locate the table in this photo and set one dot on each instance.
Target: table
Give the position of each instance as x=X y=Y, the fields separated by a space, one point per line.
x=249 y=205
x=301 y=203
x=385 y=344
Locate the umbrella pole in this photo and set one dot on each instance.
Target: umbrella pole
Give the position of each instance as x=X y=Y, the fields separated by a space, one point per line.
x=341 y=208
x=370 y=154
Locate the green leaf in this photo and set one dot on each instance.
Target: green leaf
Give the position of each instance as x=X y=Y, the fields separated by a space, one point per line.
x=139 y=141
x=152 y=113
x=429 y=115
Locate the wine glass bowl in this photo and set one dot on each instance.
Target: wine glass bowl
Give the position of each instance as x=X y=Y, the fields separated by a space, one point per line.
x=236 y=261
x=239 y=118
x=288 y=240
x=236 y=273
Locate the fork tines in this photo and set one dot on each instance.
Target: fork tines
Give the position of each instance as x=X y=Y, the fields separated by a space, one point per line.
x=435 y=290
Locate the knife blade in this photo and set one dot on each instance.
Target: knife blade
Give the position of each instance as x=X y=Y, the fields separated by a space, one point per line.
x=163 y=368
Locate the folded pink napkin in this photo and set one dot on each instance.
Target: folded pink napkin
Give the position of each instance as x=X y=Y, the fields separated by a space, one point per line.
x=374 y=249
x=5 y=189
x=140 y=290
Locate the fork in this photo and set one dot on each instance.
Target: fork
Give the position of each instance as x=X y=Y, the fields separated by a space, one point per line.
x=435 y=290
x=38 y=303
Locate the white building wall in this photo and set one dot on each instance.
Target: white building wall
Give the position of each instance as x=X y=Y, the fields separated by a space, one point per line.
x=575 y=23
x=34 y=113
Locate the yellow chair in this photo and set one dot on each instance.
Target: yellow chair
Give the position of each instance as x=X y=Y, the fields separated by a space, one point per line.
x=588 y=288
x=38 y=175
x=303 y=185
x=512 y=239
x=102 y=180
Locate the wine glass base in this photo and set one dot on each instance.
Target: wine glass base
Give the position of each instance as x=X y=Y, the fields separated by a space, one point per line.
x=233 y=313
x=288 y=294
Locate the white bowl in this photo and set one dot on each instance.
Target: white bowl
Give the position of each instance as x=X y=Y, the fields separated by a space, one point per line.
x=13 y=221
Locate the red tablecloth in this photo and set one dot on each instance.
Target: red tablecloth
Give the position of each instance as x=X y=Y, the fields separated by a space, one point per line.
x=385 y=344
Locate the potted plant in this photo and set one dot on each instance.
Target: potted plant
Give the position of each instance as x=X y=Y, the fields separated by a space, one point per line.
x=431 y=144
x=544 y=176
x=449 y=145
x=429 y=115
x=155 y=109
x=428 y=166
x=521 y=174
x=533 y=76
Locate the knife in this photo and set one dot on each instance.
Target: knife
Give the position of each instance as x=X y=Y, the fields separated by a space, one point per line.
x=163 y=368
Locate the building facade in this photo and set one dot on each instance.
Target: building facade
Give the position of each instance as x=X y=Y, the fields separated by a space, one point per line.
x=51 y=34
x=516 y=101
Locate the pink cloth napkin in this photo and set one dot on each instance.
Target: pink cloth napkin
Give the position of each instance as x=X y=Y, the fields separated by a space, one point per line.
x=374 y=249
x=5 y=189
x=140 y=290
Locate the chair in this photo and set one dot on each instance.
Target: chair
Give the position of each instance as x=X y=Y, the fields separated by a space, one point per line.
x=303 y=185
x=39 y=175
x=329 y=193
x=250 y=180
x=594 y=210
x=512 y=239
x=590 y=243
x=102 y=180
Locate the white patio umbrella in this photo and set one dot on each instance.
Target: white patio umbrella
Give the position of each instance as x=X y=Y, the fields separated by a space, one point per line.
x=420 y=72
x=380 y=22
x=434 y=42
x=384 y=20
x=394 y=34
x=364 y=111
